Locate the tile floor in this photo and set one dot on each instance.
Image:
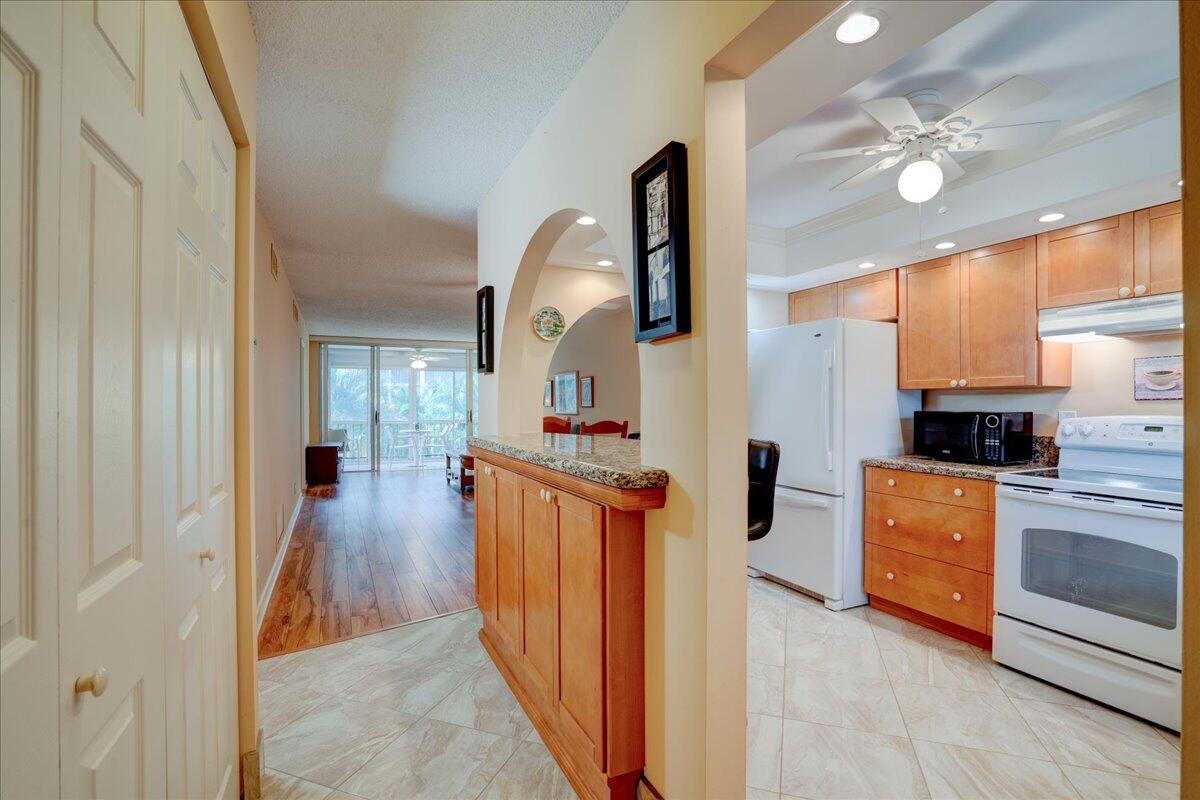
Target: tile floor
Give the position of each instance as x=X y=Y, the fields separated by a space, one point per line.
x=413 y=713
x=858 y=704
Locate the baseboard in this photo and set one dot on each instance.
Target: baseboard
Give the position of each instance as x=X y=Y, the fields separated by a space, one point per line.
x=264 y=596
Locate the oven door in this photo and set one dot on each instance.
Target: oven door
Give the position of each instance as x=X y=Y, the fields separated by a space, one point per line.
x=1101 y=569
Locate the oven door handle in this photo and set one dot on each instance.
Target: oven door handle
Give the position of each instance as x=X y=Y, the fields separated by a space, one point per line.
x=1081 y=503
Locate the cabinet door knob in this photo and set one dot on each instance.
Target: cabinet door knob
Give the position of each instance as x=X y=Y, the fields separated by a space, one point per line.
x=958 y=492
x=962 y=382
x=891 y=481
x=549 y=496
x=208 y=555
x=1139 y=289
x=957 y=537
x=487 y=470
x=542 y=495
x=891 y=523
x=1123 y=291
x=95 y=683
x=891 y=576
x=953 y=384
x=957 y=596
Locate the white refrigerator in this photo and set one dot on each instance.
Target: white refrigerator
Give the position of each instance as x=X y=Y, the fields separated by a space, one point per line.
x=826 y=392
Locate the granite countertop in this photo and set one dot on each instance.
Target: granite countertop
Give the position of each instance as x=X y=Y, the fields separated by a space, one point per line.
x=948 y=468
x=604 y=459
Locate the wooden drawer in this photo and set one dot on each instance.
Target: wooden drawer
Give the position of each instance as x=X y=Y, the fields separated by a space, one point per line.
x=967 y=492
x=929 y=586
x=961 y=536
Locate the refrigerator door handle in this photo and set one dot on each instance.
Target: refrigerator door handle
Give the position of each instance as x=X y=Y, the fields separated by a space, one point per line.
x=827 y=408
x=800 y=502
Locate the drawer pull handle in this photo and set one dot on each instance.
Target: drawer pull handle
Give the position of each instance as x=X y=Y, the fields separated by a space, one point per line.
x=891 y=523
x=957 y=537
x=891 y=576
x=957 y=596
x=958 y=492
x=891 y=481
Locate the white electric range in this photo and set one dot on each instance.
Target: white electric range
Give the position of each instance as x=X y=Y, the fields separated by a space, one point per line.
x=1088 y=570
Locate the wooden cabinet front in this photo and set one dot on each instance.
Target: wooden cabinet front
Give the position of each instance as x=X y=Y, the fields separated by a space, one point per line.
x=944 y=591
x=807 y=305
x=1000 y=344
x=930 y=296
x=539 y=584
x=485 y=540
x=1086 y=263
x=960 y=536
x=871 y=297
x=1158 y=249
x=508 y=555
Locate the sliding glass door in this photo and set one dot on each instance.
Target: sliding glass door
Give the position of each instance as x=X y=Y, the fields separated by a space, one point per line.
x=397 y=407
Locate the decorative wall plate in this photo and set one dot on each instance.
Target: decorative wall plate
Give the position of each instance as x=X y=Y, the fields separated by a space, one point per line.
x=548 y=323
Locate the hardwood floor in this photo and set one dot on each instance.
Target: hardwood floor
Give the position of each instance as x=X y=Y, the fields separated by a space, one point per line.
x=371 y=553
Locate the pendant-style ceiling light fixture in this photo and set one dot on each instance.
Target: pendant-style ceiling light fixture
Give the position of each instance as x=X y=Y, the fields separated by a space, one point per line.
x=920 y=180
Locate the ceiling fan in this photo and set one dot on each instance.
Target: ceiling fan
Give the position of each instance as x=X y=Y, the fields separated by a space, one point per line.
x=924 y=133
x=419 y=360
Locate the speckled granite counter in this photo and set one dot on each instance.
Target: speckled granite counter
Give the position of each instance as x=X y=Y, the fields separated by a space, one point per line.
x=603 y=459
x=947 y=468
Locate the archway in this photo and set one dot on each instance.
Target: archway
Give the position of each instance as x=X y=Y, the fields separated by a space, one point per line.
x=598 y=349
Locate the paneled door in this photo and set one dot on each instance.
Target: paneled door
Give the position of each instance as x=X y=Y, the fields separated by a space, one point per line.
x=999 y=326
x=930 y=307
x=30 y=75
x=201 y=687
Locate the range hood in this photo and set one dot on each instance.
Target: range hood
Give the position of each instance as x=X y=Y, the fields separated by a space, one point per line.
x=1135 y=316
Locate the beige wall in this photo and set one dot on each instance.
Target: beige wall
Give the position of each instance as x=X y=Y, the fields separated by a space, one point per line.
x=600 y=344
x=766 y=309
x=280 y=406
x=1101 y=383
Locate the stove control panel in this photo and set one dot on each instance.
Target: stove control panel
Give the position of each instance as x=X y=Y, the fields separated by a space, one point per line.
x=1133 y=433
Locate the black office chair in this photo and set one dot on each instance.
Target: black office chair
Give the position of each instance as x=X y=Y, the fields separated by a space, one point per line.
x=764 y=467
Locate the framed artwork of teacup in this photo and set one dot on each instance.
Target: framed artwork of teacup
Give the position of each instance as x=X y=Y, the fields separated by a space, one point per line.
x=1158 y=378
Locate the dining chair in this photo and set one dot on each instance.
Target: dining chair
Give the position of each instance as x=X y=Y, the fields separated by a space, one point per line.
x=556 y=425
x=763 y=470
x=605 y=426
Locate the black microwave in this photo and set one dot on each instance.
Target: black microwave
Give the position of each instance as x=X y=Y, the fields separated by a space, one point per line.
x=975 y=437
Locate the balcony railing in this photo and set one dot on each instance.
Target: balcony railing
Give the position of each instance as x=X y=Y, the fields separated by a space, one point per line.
x=400 y=444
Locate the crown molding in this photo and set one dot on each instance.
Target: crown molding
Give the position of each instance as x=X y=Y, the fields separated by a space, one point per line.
x=764 y=234
x=1130 y=112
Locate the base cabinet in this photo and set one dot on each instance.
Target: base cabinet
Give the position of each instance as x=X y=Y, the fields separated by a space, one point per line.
x=559 y=582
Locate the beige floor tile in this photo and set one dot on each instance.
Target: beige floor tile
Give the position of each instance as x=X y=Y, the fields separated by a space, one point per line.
x=328 y=669
x=1101 y=739
x=837 y=655
x=764 y=736
x=961 y=773
x=843 y=700
x=885 y=625
x=820 y=761
x=760 y=794
x=410 y=683
x=764 y=689
x=484 y=702
x=970 y=719
x=1171 y=737
x=1096 y=785
x=455 y=637
x=766 y=628
x=1026 y=687
x=337 y=795
x=281 y=786
x=809 y=616
x=432 y=760
x=909 y=661
x=279 y=705
x=326 y=745
x=531 y=774
x=533 y=736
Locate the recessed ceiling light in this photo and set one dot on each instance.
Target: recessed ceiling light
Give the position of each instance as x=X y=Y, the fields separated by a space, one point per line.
x=944 y=245
x=857 y=28
x=1051 y=217
x=604 y=263
x=586 y=220
x=866 y=265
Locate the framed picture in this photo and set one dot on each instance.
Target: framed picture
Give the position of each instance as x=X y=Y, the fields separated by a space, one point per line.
x=548 y=394
x=566 y=393
x=1158 y=378
x=586 y=388
x=661 y=273
x=485 y=313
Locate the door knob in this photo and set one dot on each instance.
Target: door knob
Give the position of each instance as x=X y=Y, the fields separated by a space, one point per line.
x=1123 y=291
x=891 y=576
x=891 y=523
x=1139 y=289
x=957 y=596
x=208 y=555
x=95 y=683
x=957 y=537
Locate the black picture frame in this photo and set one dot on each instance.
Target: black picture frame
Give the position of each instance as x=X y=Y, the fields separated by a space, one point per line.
x=485 y=315
x=655 y=317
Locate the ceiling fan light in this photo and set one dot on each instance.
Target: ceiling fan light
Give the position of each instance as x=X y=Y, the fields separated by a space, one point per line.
x=857 y=28
x=418 y=363
x=920 y=181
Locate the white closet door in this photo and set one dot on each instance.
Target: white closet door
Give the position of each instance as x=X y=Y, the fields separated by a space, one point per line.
x=30 y=80
x=198 y=408
x=110 y=381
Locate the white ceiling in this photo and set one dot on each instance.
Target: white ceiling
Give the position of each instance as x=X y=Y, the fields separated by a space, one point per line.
x=1090 y=54
x=380 y=127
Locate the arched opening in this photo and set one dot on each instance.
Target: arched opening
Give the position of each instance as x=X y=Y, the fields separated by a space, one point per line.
x=599 y=353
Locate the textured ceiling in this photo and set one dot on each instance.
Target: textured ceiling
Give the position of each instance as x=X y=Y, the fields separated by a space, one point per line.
x=381 y=125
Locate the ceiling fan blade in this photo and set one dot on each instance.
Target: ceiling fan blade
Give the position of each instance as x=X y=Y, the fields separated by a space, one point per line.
x=1011 y=137
x=1015 y=92
x=951 y=169
x=865 y=175
x=894 y=113
x=845 y=152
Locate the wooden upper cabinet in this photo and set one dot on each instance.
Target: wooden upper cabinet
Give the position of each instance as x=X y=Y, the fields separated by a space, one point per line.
x=930 y=311
x=807 y=305
x=1158 y=249
x=870 y=297
x=1086 y=263
x=999 y=326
